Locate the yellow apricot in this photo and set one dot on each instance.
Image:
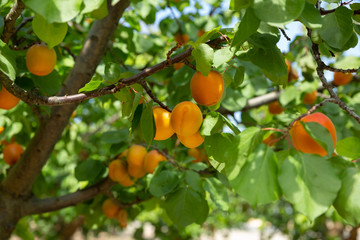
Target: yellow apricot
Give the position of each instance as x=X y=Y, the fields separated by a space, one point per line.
x=136 y=171
x=196 y=153
x=162 y=123
x=136 y=155
x=126 y=181
x=186 y=118
x=152 y=160
x=40 y=60
x=192 y=141
x=207 y=90
x=110 y=208
x=122 y=218
x=117 y=170
x=179 y=65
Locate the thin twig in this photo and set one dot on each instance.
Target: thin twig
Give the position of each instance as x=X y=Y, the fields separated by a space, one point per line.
x=10 y=19
x=284 y=34
x=67 y=49
x=152 y=96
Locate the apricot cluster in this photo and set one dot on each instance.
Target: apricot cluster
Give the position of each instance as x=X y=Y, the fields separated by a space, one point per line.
x=112 y=210
x=134 y=163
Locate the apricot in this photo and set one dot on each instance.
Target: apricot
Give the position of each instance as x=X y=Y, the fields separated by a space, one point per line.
x=126 y=181
x=292 y=74
x=122 y=218
x=198 y=154
x=186 y=118
x=162 y=123
x=179 y=65
x=200 y=32
x=191 y=141
x=136 y=155
x=117 y=170
x=12 y=153
x=303 y=142
x=310 y=98
x=1 y=129
x=110 y=208
x=136 y=171
x=275 y=108
x=270 y=140
x=207 y=90
x=152 y=160
x=7 y=100
x=40 y=60
x=181 y=38
x=342 y=78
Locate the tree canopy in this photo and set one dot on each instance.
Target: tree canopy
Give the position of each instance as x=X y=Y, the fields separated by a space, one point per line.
x=179 y=113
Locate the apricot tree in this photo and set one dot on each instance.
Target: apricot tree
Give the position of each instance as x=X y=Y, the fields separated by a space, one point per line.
x=99 y=80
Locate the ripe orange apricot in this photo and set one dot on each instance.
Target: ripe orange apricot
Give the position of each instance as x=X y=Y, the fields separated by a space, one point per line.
x=1 y=129
x=192 y=141
x=207 y=90
x=162 y=123
x=40 y=60
x=198 y=154
x=117 y=170
x=181 y=38
x=110 y=208
x=186 y=118
x=342 y=78
x=310 y=98
x=292 y=74
x=126 y=181
x=136 y=171
x=12 y=153
x=179 y=65
x=275 y=108
x=136 y=155
x=270 y=140
x=302 y=140
x=122 y=218
x=7 y=100
x=152 y=160
x=200 y=32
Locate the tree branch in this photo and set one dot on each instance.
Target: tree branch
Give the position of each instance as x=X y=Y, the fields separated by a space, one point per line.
x=152 y=96
x=38 y=206
x=30 y=97
x=22 y=175
x=320 y=71
x=10 y=19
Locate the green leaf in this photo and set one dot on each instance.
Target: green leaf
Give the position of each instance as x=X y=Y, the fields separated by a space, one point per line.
x=7 y=61
x=91 y=5
x=288 y=95
x=278 y=13
x=239 y=76
x=320 y=134
x=257 y=181
x=147 y=123
x=203 y=55
x=248 y=26
x=349 y=147
x=230 y=125
x=206 y=36
x=310 y=183
x=49 y=84
x=55 y=10
x=112 y=137
x=347 y=203
x=233 y=101
x=185 y=207
x=100 y=12
x=271 y=62
x=91 y=86
x=88 y=170
x=50 y=33
x=22 y=229
x=194 y=180
x=135 y=104
x=163 y=183
x=218 y=193
x=212 y=123
x=237 y=5
x=311 y=17
x=222 y=56
x=337 y=28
